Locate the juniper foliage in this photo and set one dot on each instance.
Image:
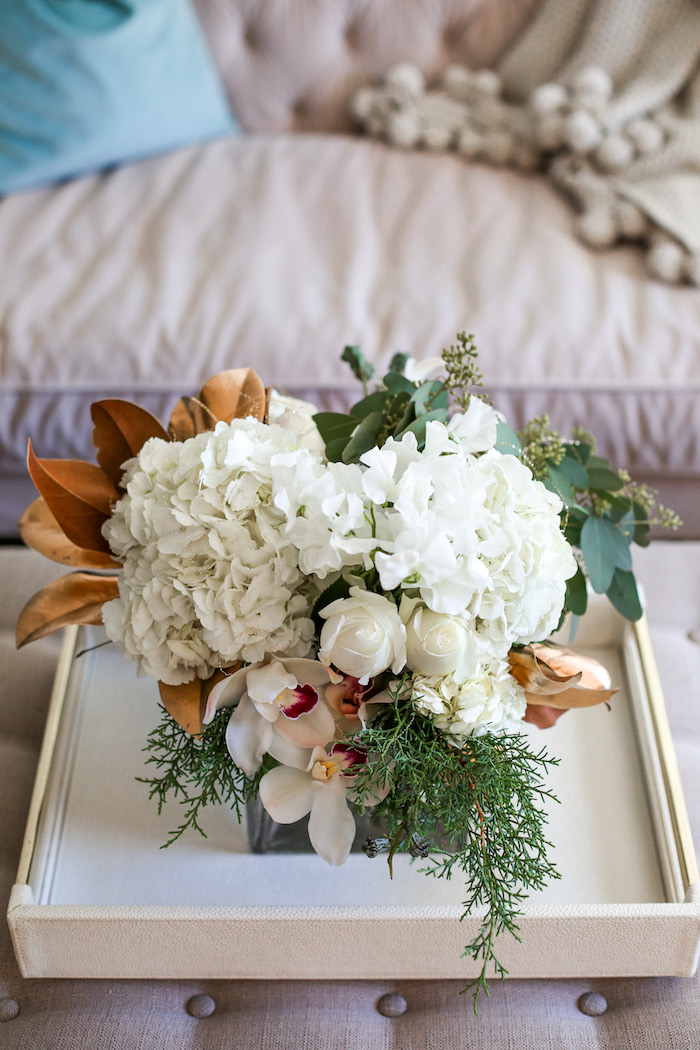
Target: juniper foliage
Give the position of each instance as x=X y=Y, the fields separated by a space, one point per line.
x=480 y=808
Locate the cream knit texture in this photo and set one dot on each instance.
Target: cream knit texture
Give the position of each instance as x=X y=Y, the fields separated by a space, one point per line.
x=601 y=95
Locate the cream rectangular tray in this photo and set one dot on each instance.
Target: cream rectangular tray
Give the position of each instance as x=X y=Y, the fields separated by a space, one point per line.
x=97 y=897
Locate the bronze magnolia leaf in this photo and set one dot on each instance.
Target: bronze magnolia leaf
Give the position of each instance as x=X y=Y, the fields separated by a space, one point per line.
x=188 y=418
x=79 y=495
x=121 y=429
x=76 y=598
x=234 y=394
x=557 y=677
x=186 y=703
x=40 y=531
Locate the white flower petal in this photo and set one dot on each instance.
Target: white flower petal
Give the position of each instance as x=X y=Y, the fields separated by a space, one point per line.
x=225 y=693
x=248 y=737
x=313 y=729
x=331 y=824
x=287 y=753
x=266 y=682
x=287 y=794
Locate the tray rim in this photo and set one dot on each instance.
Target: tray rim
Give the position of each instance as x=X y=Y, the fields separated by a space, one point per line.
x=23 y=911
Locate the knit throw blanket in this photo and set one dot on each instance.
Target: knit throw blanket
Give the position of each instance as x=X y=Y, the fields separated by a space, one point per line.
x=602 y=95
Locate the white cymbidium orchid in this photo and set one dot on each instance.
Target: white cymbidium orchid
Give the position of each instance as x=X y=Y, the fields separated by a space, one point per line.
x=279 y=704
x=316 y=782
x=353 y=702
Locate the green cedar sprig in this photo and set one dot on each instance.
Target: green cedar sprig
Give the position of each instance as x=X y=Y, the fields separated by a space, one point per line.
x=479 y=810
x=196 y=770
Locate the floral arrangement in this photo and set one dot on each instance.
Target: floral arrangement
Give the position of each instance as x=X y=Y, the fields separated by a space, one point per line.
x=349 y=611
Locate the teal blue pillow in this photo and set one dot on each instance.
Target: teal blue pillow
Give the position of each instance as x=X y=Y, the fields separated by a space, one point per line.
x=89 y=83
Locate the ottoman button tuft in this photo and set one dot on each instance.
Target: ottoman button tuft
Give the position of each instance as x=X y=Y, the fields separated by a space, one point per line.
x=9 y=1008
x=392 y=1005
x=592 y=1003
x=200 y=1006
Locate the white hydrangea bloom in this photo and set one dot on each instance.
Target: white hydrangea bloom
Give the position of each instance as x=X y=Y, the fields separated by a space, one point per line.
x=490 y=701
x=326 y=512
x=209 y=575
x=474 y=536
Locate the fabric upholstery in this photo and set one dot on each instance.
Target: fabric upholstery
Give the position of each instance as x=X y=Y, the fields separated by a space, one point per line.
x=648 y=1014
x=274 y=251
x=291 y=65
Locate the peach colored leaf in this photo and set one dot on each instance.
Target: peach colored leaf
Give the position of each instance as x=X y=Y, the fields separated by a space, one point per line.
x=234 y=394
x=188 y=418
x=40 y=531
x=555 y=676
x=121 y=429
x=186 y=703
x=79 y=495
x=542 y=715
x=76 y=598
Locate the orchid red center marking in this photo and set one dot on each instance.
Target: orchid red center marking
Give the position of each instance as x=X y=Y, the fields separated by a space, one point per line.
x=298 y=701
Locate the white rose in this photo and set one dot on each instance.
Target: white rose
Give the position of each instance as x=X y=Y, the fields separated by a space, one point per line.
x=363 y=635
x=437 y=644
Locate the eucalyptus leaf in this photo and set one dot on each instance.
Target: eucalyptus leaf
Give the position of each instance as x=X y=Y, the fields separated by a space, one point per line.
x=641 y=529
x=398 y=384
x=626 y=526
x=375 y=402
x=419 y=425
x=364 y=438
x=576 y=593
x=398 y=363
x=555 y=481
x=406 y=419
x=574 y=472
x=623 y=593
x=579 y=451
x=601 y=479
x=598 y=552
x=335 y=449
x=360 y=366
x=507 y=441
x=430 y=396
x=333 y=425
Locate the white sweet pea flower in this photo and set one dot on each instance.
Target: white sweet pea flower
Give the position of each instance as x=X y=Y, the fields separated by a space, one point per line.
x=475 y=429
x=363 y=635
x=437 y=644
x=277 y=704
x=316 y=782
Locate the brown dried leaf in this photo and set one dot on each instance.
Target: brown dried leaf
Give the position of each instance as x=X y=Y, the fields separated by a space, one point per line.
x=186 y=703
x=188 y=418
x=121 y=429
x=79 y=495
x=76 y=598
x=542 y=715
x=40 y=531
x=234 y=394
x=554 y=676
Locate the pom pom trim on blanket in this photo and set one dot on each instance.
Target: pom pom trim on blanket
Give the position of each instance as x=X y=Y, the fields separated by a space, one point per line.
x=615 y=124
